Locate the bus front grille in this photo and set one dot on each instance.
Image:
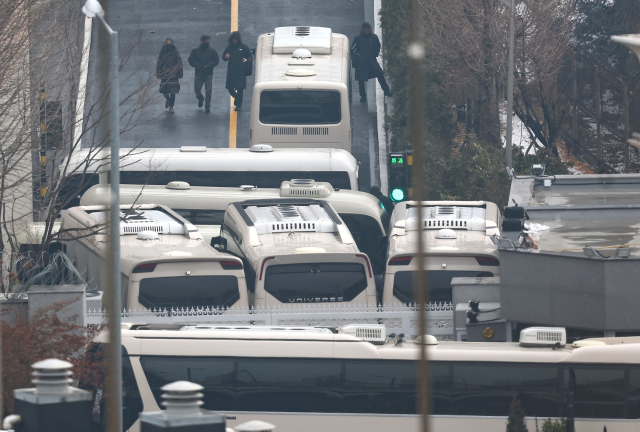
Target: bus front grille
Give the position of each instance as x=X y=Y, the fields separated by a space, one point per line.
x=315 y=131
x=281 y=130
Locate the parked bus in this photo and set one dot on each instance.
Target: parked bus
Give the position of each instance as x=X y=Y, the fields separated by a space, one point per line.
x=204 y=207
x=164 y=262
x=297 y=251
x=260 y=166
x=314 y=380
x=457 y=236
x=302 y=89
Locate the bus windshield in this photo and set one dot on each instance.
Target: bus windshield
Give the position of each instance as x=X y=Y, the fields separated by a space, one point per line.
x=315 y=283
x=189 y=291
x=300 y=107
x=438 y=281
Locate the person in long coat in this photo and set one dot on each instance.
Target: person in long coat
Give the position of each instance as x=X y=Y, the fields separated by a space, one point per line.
x=204 y=59
x=169 y=72
x=364 y=52
x=240 y=64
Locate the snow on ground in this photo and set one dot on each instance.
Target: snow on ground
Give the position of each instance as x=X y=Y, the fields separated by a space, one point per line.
x=519 y=135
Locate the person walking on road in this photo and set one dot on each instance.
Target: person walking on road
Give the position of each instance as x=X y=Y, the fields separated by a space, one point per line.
x=387 y=203
x=204 y=59
x=364 y=52
x=169 y=72
x=240 y=66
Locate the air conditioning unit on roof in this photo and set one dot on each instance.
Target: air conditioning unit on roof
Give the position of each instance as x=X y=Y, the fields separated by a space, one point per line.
x=543 y=336
x=305 y=188
x=374 y=333
x=288 y=39
x=290 y=218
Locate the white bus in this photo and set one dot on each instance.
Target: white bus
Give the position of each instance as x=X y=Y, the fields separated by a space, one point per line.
x=457 y=236
x=302 y=89
x=164 y=261
x=316 y=381
x=260 y=166
x=297 y=251
x=204 y=207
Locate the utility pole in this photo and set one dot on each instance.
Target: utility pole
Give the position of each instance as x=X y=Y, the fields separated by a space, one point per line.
x=574 y=94
x=421 y=293
x=508 y=157
x=627 y=131
x=598 y=110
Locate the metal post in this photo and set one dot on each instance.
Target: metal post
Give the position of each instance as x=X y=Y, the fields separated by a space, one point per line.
x=598 y=106
x=114 y=351
x=416 y=54
x=510 y=87
x=627 y=131
x=574 y=95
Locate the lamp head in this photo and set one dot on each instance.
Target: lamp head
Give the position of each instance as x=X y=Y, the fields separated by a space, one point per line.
x=92 y=8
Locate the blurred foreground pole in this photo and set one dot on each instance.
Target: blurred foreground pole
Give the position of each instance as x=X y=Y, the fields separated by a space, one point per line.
x=113 y=384
x=416 y=55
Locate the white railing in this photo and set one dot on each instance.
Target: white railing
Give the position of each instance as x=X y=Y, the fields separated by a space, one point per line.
x=397 y=319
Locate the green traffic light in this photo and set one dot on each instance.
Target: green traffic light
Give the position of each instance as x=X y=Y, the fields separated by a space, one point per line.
x=397 y=194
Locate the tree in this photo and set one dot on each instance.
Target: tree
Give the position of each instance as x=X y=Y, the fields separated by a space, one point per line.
x=45 y=116
x=44 y=336
x=516 y=421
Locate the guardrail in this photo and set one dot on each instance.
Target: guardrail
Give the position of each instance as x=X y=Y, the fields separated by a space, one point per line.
x=398 y=319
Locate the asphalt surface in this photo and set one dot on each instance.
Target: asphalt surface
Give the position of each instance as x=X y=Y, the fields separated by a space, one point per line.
x=145 y=24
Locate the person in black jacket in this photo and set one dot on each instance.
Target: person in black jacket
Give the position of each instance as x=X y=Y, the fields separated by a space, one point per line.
x=169 y=72
x=364 y=51
x=240 y=64
x=387 y=203
x=204 y=59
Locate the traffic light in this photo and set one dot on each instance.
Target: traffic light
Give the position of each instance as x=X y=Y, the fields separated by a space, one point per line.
x=398 y=176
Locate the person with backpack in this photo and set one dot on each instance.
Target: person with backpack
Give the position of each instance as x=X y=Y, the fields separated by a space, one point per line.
x=240 y=65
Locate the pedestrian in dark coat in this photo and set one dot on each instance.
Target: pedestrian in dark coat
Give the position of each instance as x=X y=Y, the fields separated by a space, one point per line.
x=240 y=64
x=364 y=51
x=169 y=72
x=204 y=59
x=387 y=203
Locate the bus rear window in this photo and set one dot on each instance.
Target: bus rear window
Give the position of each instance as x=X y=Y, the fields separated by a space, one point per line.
x=315 y=283
x=438 y=282
x=261 y=179
x=189 y=291
x=300 y=107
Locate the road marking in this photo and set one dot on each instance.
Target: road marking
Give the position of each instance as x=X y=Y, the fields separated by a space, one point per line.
x=233 y=117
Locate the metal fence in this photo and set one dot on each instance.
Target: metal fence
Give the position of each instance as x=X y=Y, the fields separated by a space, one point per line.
x=397 y=319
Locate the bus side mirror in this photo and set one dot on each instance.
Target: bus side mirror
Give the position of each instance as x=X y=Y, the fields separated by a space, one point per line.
x=219 y=241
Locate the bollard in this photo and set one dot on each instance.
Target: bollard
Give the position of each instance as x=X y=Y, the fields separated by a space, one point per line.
x=183 y=412
x=255 y=426
x=53 y=406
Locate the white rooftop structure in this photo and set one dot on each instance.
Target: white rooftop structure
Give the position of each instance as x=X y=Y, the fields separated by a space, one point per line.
x=291 y=218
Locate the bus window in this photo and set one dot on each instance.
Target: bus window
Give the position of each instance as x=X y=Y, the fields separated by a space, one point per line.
x=215 y=374
x=599 y=392
x=193 y=291
x=300 y=107
x=321 y=282
x=486 y=389
x=438 y=281
x=202 y=217
x=261 y=179
x=373 y=386
x=289 y=385
x=74 y=187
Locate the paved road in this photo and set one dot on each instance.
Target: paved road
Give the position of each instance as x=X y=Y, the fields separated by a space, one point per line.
x=145 y=24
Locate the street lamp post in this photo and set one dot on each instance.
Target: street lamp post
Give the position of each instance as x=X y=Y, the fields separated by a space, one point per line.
x=92 y=8
x=511 y=5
